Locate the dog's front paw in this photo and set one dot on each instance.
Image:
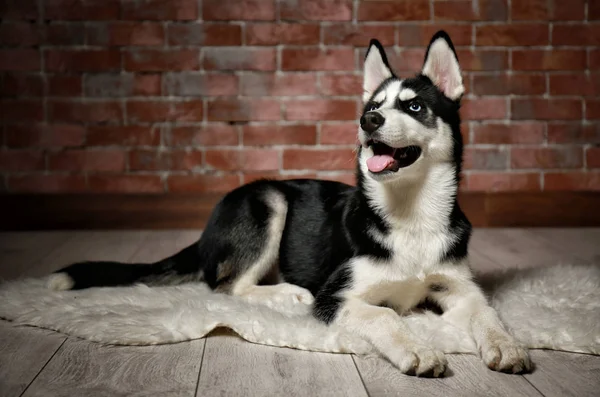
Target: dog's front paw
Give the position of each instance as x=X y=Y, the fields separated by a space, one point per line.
x=506 y=355
x=419 y=361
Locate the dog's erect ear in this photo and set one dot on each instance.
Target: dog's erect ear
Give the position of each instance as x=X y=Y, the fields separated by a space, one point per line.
x=377 y=69
x=441 y=66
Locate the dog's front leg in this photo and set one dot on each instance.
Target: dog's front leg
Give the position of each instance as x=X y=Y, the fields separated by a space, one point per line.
x=466 y=306
x=388 y=333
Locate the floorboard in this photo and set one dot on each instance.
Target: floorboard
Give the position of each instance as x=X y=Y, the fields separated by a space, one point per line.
x=582 y=244
x=561 y=374
x=468 y=377
x=234 y=367
x=23 y=353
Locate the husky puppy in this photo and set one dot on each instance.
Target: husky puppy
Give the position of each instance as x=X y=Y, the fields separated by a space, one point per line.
x=367 y=254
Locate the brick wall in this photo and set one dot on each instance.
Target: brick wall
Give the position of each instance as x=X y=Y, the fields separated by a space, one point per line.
x=204 y=95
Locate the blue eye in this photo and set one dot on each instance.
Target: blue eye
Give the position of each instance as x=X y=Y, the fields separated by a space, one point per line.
x=414 y=107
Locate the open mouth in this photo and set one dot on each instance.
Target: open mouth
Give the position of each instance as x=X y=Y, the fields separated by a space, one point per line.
x=388 y=159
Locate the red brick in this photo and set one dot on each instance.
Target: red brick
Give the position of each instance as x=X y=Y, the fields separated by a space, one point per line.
x=131 y=135
x=247 y=159
x=576 y=35
x=349 y=178
x=249 y=10
x=502 y=182
x=21 y=110
x=549 y=60
x=592 y=109
x=165 y=110
x=572 y=181
x=316 y=59
x=358 y=35
x=594 y=59
x=155 y=160
x=575 y=84
x=282 y=33
x=205 y=35
x=122 y=85
x=128 y=34
x=160 y=10
x=548 y=10
x=319 y=109
x=125 y=183
x=592 y=156
x=512 y=35
x=547 y=157
x=255 y=135
x=483 y=109
x=243 y=110
x=505 y=84
x=64 y=33
x=202 y=183
x=479 y=60
x=574 y=133
x=82 y=60
x=161 y=60
x=514 y=133
x=19 y=59
x=19 y=34
x=339 y=134
x=467 y=10
x=315 y=159
x=207 y=135
x=239 y=59
x=21 y=160
x=20 y=84
x=341 y=84
x=485 y=159
x=19 y=9
x=316 y=10
x=286 y=84
x=401 y=10
x=64 y=85
x=545 y=109
x=87 y=160
x=410 y=59
x=89 y=111
x=420 y=35
x=81 y=9
x=593 y=10
x=200 y=84
x=44 y=135
x=52 y=183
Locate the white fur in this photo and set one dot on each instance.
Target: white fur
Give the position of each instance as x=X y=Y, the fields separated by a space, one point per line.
x=60 y=282
x=375 y=72
x=442 y=68
x=555 y=307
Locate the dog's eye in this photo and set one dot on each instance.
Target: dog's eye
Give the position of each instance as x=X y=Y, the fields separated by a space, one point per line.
x=370 y=107
x=414 y=107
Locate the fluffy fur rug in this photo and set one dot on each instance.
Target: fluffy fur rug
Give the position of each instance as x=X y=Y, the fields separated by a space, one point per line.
x=554 y=308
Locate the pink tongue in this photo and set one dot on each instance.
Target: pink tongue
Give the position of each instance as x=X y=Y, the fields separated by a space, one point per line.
x=379 y=163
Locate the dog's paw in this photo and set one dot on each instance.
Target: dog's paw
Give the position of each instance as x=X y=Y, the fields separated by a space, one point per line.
x=420 y=361
x=506 y=356
x=297 y=294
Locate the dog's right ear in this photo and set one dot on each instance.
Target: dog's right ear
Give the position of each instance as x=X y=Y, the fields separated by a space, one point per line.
x=377 y=69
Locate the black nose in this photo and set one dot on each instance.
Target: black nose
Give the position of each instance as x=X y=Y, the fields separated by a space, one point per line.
x=371 y=121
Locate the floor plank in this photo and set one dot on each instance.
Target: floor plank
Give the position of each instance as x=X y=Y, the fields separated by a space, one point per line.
x=82 y=368
x=234 y=367
x=468 y=377
x=560 y=374
x=583 y=243
x=23 y=353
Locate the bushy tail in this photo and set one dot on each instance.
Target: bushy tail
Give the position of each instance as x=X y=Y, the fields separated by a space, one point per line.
x=183 y=266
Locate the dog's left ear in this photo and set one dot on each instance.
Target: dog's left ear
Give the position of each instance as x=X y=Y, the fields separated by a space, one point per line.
x=441 y=66
x=377 y=69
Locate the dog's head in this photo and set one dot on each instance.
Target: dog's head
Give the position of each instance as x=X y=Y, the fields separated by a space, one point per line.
x=409 y=124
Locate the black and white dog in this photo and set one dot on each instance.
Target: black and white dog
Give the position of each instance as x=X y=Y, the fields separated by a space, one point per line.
x=368 y=253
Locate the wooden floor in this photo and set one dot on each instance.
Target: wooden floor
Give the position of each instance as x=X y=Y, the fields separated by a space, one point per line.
x=36 y=362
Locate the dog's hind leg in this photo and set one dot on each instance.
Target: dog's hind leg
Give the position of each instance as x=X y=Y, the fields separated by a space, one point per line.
x=246 y=283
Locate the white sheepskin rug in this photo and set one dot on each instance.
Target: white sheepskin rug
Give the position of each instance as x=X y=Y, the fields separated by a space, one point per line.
x=553 y=308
